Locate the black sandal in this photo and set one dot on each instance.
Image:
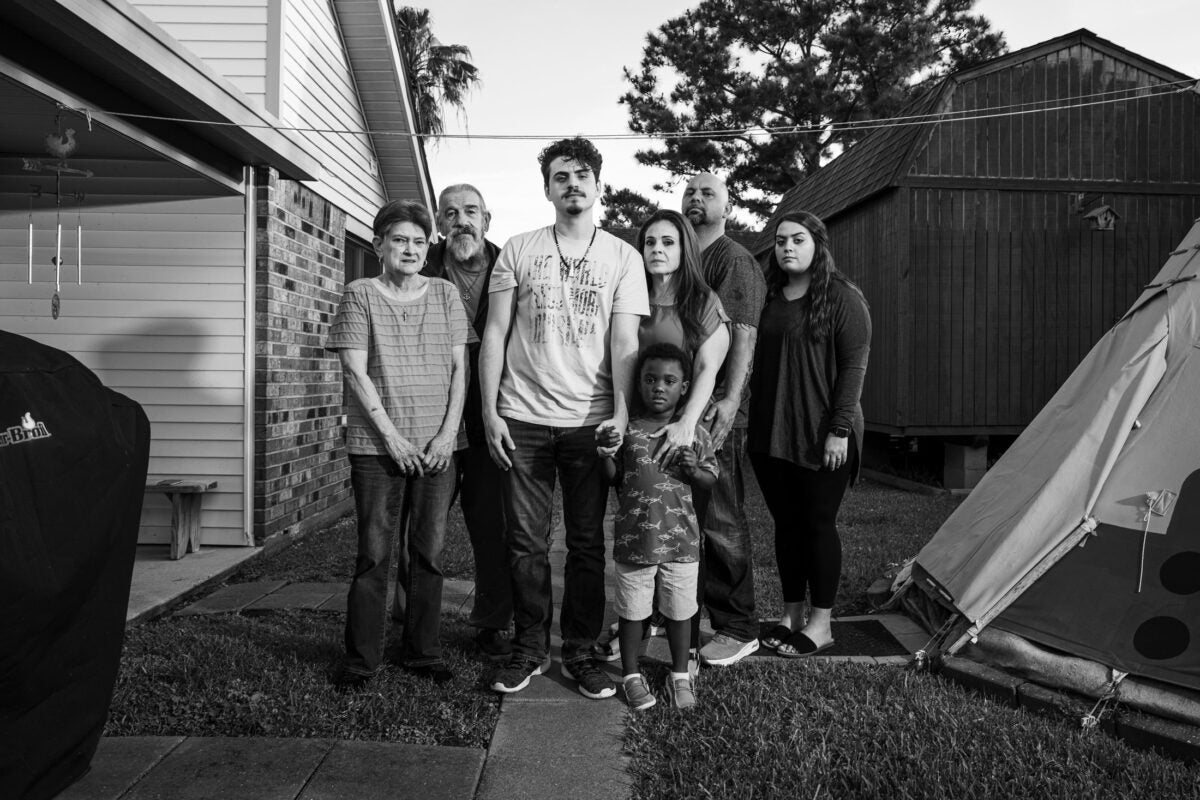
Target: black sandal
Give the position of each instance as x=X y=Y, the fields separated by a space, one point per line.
x=775 y=637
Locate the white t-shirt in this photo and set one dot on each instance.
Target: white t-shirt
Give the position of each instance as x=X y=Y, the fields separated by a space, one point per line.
x=556 y=367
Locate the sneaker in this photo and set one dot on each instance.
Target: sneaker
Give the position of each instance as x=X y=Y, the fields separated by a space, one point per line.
x=592 y=681
x=348 y=681
x=683 y=696
x=608 y=646
x=492 y=644
x=438 y=672
x=657 y=625
x=514 y=676
x=637 y=694
x=723 y=650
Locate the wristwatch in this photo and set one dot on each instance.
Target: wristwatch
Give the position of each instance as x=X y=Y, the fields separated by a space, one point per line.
x=840 y=431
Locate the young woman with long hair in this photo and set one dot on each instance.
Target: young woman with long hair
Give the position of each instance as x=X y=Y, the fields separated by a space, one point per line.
x=806 y=423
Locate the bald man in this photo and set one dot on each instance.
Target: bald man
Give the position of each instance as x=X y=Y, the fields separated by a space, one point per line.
x=728 y=563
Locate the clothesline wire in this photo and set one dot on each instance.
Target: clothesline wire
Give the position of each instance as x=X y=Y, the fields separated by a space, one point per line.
x=996 y=112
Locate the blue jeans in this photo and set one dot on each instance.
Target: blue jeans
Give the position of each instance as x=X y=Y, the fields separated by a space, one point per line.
x=378 y=486
x=481 y=497
x=727 y=557
x=541 y=453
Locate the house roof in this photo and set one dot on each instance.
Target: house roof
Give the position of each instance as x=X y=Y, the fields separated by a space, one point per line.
x=81 y=41
x=374 y=52
x=881 y=159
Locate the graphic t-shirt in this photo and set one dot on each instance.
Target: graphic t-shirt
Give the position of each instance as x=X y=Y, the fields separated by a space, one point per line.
x=556 y=368
x=410 y=348
x=656 y=518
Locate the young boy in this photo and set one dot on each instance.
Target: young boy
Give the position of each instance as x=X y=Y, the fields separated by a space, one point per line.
x=657 y=535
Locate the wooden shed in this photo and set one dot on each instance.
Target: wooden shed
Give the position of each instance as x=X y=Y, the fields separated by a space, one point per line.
x=225 y=165
x=979 y=235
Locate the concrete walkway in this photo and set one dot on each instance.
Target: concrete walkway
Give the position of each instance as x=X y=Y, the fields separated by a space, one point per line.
x=549 y=741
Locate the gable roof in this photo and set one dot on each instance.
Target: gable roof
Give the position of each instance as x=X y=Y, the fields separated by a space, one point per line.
x=369 y=32
x=881 y=159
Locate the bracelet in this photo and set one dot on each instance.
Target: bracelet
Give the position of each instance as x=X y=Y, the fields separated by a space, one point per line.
x=839 y=431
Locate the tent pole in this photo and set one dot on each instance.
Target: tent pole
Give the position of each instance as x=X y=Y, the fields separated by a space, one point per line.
x=1085 y=528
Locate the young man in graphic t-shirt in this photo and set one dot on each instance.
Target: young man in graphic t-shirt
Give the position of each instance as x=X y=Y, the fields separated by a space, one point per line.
x=557 y=363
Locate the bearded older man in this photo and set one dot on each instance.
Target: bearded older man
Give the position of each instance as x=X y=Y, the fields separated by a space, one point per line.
x=465 y=257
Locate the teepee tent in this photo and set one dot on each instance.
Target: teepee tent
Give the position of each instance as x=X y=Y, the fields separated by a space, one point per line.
x=1085 y=536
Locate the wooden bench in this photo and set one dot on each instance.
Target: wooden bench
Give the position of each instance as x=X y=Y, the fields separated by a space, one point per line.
x=185 y=495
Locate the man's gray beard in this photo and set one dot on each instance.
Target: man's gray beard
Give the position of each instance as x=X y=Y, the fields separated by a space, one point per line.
x=464 y=248
x=696 y=216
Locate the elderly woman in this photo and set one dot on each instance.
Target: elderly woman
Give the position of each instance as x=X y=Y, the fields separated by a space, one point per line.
x=806 y=424
x=402 y=339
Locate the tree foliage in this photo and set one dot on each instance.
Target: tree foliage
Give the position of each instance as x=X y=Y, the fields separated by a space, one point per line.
x=730 y=65
x=625 y=208
x=439 y=75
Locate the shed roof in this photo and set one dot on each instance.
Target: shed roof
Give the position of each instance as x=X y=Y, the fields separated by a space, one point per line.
x=880 y=160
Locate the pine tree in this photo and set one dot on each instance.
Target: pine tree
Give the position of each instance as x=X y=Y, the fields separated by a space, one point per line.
x=737 y=64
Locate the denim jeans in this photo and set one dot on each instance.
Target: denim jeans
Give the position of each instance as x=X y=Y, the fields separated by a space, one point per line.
x=727 y=557
x=541 y=453
x=378 y=487
x=481 y=497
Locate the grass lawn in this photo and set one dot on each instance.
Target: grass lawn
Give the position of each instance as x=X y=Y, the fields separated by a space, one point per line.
x=763 y=730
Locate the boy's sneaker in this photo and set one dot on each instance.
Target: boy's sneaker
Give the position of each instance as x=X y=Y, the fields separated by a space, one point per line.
x=723 y=650
x=637 y=694
x=592 y=680
x=657 y=625
x=682 y=694
x=514 y=676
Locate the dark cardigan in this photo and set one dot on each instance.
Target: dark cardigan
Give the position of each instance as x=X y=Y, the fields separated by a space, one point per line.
x=801 y=388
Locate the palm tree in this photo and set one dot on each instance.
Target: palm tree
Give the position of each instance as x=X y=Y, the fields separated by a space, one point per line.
x=439 y=75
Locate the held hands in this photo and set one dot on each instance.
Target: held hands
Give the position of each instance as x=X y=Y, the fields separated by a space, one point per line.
x=719 y=419
x=610 y=435
x=608 y=441
x=676 y=438
x=836 y=449
x=688 y=460
x=437 y=454
x=407 y=457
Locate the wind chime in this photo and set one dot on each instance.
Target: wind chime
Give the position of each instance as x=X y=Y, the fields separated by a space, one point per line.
x=61 y=145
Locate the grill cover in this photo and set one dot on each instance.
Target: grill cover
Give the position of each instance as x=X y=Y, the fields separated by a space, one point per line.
x=73 y=458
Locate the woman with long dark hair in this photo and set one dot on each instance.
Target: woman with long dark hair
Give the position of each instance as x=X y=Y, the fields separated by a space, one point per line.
x=806 y=423
x=684 y=312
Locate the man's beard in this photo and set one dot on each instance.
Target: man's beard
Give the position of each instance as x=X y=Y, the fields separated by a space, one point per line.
x=697 y=216
x=463 y=245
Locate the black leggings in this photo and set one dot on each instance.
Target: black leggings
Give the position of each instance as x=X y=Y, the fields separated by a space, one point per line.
x=804 y=504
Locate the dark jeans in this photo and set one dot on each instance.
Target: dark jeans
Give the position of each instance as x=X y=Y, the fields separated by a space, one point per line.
x=727 y=560
x=481 y=497
x=378 y=486
x=541 y=454
x=804 y=504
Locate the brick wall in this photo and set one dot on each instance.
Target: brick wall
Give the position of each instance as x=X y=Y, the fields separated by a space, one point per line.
x=301 y=475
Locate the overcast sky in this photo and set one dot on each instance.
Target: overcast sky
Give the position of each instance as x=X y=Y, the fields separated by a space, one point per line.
x=552 y=68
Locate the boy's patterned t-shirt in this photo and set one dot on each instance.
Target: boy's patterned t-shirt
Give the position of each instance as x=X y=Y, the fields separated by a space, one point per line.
x=656 y=519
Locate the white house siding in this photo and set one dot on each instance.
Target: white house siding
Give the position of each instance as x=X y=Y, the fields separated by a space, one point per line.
x=318 y=91
x=160 y=317
x=229 y=35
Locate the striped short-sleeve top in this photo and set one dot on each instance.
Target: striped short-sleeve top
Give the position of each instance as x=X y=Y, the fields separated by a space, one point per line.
x=409 y=348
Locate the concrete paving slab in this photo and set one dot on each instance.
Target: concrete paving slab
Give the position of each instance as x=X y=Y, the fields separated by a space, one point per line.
x=158 y=581
x=594 y=777
x=232 y=598
x=119 y=763
x=308 y=596
x=246 y=769
x=389 y=771
x=457 y=595
x=336 y=603
x=565 y=728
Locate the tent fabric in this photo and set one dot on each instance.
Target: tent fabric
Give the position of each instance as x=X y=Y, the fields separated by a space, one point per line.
x=73 y=459
x=1125 y=424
